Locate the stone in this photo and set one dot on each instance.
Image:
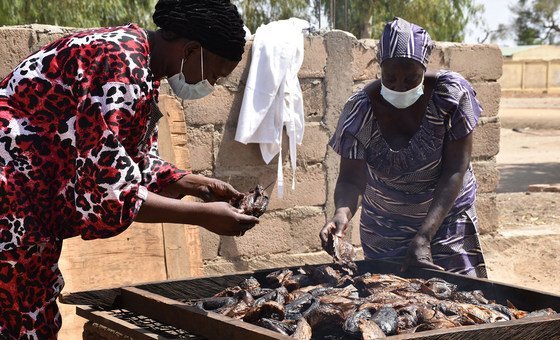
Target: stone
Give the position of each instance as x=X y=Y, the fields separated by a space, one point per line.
x=200 y=143
x=488 y=94
x=486 y=139
x=313 y=92
x=314 y=59
x=487 y=212
x=365 y=65
x=15 y=44
x=210 y=244
x=474 y=62
x=215 y=108
x=487 y=175
x=305 y=224
x=270 y=236
x=313 y=149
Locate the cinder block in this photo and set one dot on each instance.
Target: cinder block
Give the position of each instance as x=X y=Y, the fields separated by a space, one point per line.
x=314 y=59
x=45 y=34
x=437 y=58
x=210 y=244
x=15 y=44
x=486 y=139
x=313 y=149
x=487 y=211
x=222 y=266
x=213 y=109
x=230 y=153
x=270 y=236
x=365 y=64
x=305 y=223
x=289 y=260
x=488 y=94
x=487 y=175
x=200 y=143
x=313 y=91
x=475 y=62
x=310 y=188
x=310 y=183
x=239 y=75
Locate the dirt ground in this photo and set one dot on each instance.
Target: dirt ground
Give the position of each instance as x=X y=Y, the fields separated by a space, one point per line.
x=525 y=249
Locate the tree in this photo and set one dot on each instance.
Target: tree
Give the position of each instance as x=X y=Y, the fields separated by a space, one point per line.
x=77 y=13
x=537 y=22
x=258 y=12
x=443 y=19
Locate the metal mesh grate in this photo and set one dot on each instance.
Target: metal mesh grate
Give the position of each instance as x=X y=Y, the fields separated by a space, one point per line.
x=154 y=326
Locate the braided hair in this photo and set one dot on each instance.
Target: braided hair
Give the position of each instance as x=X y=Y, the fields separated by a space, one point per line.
x=215 y=24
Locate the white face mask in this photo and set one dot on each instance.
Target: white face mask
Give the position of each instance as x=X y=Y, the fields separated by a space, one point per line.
x=185 y=90
x=402 y=100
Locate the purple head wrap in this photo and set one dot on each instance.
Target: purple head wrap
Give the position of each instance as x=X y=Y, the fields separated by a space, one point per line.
x=402 y=39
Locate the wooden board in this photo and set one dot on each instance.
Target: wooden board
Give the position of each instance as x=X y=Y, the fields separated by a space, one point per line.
x=183 y=253
x=191 y=319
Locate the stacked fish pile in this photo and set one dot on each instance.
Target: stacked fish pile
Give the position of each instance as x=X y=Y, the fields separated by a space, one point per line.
x=330 y=302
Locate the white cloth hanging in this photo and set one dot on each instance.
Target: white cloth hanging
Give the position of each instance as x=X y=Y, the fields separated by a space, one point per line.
x=273 y=98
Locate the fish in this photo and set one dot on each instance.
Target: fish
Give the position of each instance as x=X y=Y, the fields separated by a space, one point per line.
x=370 y=330
x=325 y=320
x=277 y=326
x=351 y=324
x=387 y=319
x=268 y=310
x=303 y=330
x=254 y=203
x=329 y=302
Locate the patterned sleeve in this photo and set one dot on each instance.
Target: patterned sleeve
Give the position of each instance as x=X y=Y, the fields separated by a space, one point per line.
x=157 y=173
x=108 y=183
x=457 y=100
x=354 y=128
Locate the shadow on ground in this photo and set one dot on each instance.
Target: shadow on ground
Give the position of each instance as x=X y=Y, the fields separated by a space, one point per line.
x=518 y=177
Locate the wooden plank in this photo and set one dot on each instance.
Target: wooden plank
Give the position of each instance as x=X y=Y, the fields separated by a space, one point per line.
x=116 y=324
x=193 y=320
x=547 y=327
x=183 y=253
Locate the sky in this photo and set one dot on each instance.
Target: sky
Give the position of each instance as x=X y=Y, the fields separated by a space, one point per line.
x=496 y=12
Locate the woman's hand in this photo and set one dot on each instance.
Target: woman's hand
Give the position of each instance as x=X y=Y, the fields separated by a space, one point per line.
x=420 y=254
x=223 y=219
x=337 y=226
x=215 y=190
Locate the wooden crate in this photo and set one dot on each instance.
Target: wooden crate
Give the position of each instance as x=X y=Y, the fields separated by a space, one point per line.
x=161 y=301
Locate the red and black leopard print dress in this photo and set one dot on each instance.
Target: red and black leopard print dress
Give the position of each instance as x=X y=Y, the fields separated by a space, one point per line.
x=77 y=158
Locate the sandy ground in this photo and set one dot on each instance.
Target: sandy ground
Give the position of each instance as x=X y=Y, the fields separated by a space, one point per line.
x=525 y=249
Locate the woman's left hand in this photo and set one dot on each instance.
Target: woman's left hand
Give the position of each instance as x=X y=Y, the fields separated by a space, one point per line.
x=419 y=254
x=215 y=190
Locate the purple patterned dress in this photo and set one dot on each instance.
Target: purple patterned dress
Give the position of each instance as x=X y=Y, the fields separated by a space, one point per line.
x=401 y=183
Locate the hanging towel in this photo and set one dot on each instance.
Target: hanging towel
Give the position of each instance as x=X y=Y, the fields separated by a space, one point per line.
x=273 y=98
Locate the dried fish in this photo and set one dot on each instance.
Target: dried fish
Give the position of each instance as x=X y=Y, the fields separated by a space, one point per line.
x=387 y=319
x=303 y=330
x=253 y=203
x=328 y=302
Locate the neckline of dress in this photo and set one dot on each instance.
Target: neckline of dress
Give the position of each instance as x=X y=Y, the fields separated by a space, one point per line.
x=421 y=127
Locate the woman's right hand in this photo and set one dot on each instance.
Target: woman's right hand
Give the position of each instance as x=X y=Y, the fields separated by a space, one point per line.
x=337 y=226
x=223 y=219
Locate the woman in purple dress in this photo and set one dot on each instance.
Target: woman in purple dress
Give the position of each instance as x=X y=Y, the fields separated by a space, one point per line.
x=405 y=143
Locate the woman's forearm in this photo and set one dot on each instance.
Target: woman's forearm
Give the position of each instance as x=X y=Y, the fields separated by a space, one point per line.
x=160 y=209
x=445 y=195
x=190 y=185
x=347 y=197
